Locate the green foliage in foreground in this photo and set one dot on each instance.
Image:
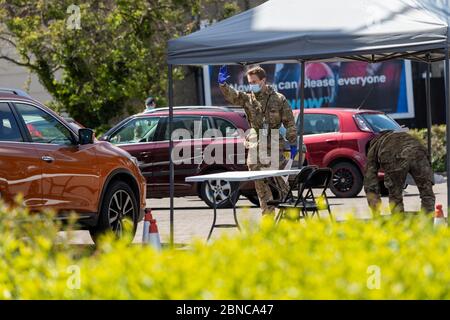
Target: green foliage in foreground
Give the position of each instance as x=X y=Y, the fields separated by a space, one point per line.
x=314 y=260
x=438 y=145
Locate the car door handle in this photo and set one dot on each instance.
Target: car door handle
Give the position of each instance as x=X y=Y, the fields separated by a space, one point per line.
x=48 y=159
x=330 y=140
x=145 y=154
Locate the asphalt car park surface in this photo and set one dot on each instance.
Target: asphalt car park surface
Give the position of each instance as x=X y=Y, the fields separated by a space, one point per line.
x=193 y=218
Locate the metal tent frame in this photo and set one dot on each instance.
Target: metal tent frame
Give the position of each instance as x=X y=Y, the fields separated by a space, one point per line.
x=427 y=52
x=380 y=58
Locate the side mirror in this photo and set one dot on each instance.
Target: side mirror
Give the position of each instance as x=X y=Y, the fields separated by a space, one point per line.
x=85 y=136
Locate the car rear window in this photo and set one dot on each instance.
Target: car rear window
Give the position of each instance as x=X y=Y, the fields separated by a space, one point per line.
x=316 y=123
x=380 y=122
x=9 y=130
x=227 y=129
x=192 y=125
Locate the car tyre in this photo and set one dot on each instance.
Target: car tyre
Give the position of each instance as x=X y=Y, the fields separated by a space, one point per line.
x=118 y=213
x=253 y=198
x=347 y=181
x=226 y=188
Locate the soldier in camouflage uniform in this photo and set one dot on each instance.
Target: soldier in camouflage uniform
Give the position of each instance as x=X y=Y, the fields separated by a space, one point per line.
x=397 y=154
x=266 y=110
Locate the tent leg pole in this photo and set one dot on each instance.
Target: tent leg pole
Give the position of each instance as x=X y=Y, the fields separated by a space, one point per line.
x=302 y=115
x=171 y=166
x=429 y=120
x=447 y=121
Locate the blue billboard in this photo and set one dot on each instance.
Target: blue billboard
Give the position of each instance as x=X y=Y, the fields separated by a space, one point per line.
x=384 y=86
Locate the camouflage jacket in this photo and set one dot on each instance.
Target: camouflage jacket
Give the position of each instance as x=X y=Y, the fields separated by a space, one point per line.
x=387 y=148
x=269 y=106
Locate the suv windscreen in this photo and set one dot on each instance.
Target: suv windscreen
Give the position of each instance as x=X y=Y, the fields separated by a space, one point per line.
x=138 y=130
x=316 y=123
x=380 y=122
x=43 y=127
x=9 y=130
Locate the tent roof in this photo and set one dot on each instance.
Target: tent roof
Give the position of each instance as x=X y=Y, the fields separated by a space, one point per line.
x=286 y=30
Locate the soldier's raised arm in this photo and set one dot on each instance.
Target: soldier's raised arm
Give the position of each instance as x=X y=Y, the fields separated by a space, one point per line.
x=288 y=120
x=231 y=95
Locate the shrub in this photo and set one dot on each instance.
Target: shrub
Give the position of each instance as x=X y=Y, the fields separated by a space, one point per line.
x=313 y=260
x=438 y=145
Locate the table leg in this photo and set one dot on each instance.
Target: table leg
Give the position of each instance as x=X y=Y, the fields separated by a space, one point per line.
x=234 y=207
x=279 y=215
x=214 y=225
x=215 y=210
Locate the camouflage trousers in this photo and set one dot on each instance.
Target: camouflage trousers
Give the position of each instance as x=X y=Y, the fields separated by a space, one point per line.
x=395 y=171
x=264 y=187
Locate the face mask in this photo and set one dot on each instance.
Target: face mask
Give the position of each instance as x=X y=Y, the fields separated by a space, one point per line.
x=255 y=88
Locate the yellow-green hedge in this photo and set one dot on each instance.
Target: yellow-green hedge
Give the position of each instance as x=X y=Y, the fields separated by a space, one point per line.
x=316 y=260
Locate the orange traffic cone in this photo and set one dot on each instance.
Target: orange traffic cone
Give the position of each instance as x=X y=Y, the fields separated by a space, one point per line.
x=439 y=218
x=153 y=237
x=148 y=217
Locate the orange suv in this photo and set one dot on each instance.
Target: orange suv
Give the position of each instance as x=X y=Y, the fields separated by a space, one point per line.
x=56 y=167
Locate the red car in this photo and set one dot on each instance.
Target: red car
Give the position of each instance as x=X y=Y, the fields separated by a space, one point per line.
x=339 y=139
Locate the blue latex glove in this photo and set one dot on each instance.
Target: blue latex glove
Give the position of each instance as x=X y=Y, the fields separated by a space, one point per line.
x=223 y=75
x=294 y=151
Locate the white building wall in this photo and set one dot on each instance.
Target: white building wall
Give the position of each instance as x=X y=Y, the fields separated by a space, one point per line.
x=13 y=76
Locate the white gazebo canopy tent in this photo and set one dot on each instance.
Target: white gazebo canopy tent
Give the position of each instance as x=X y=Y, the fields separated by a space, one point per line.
x=302 y=31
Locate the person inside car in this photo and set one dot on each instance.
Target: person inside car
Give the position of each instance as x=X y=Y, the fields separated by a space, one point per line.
x=138 y=134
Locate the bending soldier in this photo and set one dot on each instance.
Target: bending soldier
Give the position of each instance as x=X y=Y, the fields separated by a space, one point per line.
x=397 y=154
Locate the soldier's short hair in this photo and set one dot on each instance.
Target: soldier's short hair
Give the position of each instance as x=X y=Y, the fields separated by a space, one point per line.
x=257 y=71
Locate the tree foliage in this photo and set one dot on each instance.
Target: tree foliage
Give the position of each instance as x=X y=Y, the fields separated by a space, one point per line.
x=438 y=145
x=105 y=66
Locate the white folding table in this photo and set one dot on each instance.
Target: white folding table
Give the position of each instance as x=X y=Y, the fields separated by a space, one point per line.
x=236 y=176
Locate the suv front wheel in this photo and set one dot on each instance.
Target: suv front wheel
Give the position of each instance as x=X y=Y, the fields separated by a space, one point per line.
x=225 y=195
x=118 y=213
